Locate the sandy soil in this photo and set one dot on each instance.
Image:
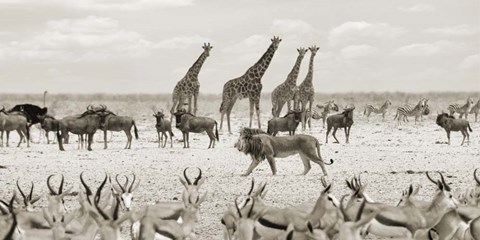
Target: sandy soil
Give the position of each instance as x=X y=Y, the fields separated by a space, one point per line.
x=389 y=157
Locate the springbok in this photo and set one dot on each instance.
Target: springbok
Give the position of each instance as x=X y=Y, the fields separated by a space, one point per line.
x=124 y=193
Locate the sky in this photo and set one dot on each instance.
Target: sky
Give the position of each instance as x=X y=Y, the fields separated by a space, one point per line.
x=146 y=46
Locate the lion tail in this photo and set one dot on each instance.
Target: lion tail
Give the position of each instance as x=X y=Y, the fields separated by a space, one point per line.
x=320 y=156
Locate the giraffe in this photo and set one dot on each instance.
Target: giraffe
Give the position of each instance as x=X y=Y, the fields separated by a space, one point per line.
x=306 y=92
x=248 y=85
x=285 y=92
x=189 y=85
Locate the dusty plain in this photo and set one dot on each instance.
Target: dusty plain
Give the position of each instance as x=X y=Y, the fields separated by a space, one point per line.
x=389 y=156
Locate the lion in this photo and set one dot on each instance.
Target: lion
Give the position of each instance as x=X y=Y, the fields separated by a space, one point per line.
x=259 y=145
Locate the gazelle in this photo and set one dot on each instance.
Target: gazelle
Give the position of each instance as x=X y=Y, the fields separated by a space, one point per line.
x=125 y=192
x=416 y=219
x=350 y=229
x=230 y=215
x=56 y=203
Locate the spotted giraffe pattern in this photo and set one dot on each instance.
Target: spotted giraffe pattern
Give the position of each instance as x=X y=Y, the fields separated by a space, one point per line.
x=306 y=92
x=249 y=86
x=189 y=86
x=285 y=92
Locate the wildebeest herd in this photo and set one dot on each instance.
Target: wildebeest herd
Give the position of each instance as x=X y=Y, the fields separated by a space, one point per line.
x=444 y=216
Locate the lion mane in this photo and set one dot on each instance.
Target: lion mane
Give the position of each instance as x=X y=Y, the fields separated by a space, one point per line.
x=252 y=144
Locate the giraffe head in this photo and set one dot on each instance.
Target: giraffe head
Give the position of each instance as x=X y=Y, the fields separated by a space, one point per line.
x=275 y=42
x=313 y=49
x=207 y=47
x=302 y=51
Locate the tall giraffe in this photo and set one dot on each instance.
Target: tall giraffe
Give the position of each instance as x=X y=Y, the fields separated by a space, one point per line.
x=306 y=92
x=189 y=85
x=248 y=85
x=285 y=92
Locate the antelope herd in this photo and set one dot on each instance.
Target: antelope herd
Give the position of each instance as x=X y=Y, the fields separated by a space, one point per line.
x=354 y=216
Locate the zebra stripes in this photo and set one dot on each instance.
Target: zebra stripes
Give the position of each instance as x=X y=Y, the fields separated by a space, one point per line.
x=327 y=108
x=408 y=110
x=382 y=110
x=464 y=109
x=475 y=110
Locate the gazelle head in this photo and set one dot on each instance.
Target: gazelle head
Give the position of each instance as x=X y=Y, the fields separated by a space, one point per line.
x=191 y=188
x=443 y=197
x=56 y=203
x=190 y=214
x=14 y=231
x=58 y=223
x=350 y=228
x=245 y=223
x=29 y=200
x=109 y=226
x=407 y=194
x=125 y=192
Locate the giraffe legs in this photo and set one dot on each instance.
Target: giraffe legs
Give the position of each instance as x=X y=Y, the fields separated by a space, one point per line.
x=195 y=98
x=251 y=113
x=190 y=104
x=255 y=105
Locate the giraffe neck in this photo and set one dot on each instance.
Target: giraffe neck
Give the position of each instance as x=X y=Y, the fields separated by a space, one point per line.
x=195 y=68
x=309 y=77
x=293 y=75
x=256 y=71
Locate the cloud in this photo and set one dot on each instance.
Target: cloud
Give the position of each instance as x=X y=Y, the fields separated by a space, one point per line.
x=181 y=42
x=419 y=8
x=252 y=43
x=292 y=28
x=91 y=38
x=471 y=62
x=459 y=30
x=106 y=5
x=353 y=31
x=358 y=51
x=429 y=49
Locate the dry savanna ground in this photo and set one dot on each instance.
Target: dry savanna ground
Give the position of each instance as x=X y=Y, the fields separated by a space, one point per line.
x=389 y=157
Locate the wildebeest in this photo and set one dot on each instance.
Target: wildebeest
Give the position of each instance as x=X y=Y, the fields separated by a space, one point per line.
x=31 y=111
x=87 y=123
x=117 y=123
x=187 y=123
x=342 y=120
x=48 y=123
x=287 y=123
x=14 y=121
x=163 y=126
x=449 y=123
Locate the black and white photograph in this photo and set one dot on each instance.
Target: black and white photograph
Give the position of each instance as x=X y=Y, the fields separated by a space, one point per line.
x=239 y=119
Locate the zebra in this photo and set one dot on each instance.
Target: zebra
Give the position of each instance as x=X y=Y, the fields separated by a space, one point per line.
x=475 y=109
x=465 y=109
x=408 y=110
x=327 y=108
x=382 y=110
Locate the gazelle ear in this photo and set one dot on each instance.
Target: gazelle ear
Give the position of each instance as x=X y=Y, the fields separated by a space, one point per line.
x=34 y=200
x=184 y=183
x=48 y=217
x=290 y=230
x=202 y=199
x=200 y=182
